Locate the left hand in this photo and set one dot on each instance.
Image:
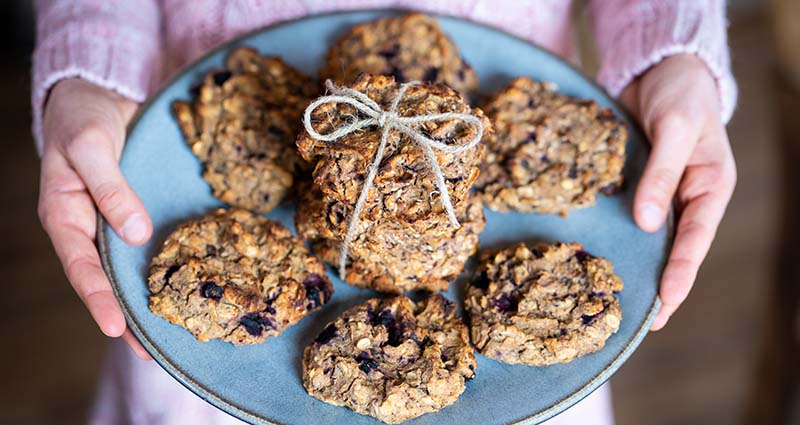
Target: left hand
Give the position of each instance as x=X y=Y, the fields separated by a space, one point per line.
x=677 y=103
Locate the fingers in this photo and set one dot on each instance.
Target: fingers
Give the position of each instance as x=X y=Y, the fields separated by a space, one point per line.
x=695 y=232
x=135 y=345
x=68 y=216
x=674 y=137
x=92 y=154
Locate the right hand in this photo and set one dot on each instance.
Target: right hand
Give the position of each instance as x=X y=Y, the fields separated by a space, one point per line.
x=84 y=132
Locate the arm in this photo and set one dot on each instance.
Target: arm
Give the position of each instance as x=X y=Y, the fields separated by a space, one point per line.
x=668 y=61
x=113 y=44
x=93 y=62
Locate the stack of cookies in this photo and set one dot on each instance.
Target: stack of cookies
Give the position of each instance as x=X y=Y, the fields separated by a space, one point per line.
x=404 y=239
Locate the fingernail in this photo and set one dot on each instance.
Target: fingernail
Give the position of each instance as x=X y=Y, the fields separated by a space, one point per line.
x=134 y=229
x=650 y=214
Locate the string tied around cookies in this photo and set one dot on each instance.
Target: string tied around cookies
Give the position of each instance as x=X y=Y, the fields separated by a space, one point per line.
x=389 y=120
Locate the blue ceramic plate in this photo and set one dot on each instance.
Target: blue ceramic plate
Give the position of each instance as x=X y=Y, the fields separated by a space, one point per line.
x=262 y=383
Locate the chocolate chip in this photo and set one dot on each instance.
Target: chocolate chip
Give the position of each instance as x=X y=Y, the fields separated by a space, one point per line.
x=211 y=290
x=255 y=324
x=532 y=103
x=531 y=137
x=211 y=251
x=431 y=74
x=482 y=281
x=170 y=271
x=536 y=253
x=326 y=335
x=544 y=159
x=588 y=319
x=221 y=77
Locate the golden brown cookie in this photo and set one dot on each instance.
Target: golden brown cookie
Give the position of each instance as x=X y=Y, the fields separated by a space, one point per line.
x=405 y=187
x=390 y=255
x=549 y=153
x=543 y=304
x=235 y=276
x=393 y=359
x=410 y=48
x=242 y=126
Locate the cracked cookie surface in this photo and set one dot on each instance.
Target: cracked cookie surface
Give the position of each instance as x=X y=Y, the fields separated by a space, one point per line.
x=393 y=359
x=389 y=255
x=235 y=276
x=404 y=187
x=549 y=153
x=242 y=126
x=543 y=304
x=410 y=48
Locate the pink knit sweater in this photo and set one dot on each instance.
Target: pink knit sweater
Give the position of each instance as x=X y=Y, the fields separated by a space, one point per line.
x=122 y=44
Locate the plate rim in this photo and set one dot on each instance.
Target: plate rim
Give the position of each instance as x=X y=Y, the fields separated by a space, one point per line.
x=235 y=410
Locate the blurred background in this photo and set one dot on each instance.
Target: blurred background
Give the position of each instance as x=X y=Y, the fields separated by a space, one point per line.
x=729 y=356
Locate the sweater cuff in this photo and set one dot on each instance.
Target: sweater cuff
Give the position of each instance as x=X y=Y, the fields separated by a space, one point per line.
x=643 y=37
x=126 y=64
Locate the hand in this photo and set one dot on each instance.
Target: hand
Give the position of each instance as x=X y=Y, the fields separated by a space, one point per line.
x=678 y=105
x=84 y=131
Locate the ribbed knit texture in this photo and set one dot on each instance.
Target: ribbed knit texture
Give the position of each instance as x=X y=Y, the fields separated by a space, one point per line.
x=633 y=35
x=120 y=45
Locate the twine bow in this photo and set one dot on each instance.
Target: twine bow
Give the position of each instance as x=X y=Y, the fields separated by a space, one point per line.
x=388 y=120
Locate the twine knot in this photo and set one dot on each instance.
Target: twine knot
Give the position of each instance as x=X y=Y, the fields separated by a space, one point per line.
x=387 y=121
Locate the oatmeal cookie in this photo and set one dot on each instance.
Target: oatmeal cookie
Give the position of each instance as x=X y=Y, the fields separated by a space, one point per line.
x=388 y=255
x=235 y=276
x=549 y=153
x=242 y=125
x=544 y=304
x=410 y=48
x=393 y=359
x=405 y=187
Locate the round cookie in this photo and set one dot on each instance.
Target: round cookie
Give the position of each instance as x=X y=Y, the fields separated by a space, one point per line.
x=549 y=153
x=242 y=126
x=393 y=359
x=542 y=305
x=410 y=48
x=404 y=187
x=235 y=276
x=388 y=255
